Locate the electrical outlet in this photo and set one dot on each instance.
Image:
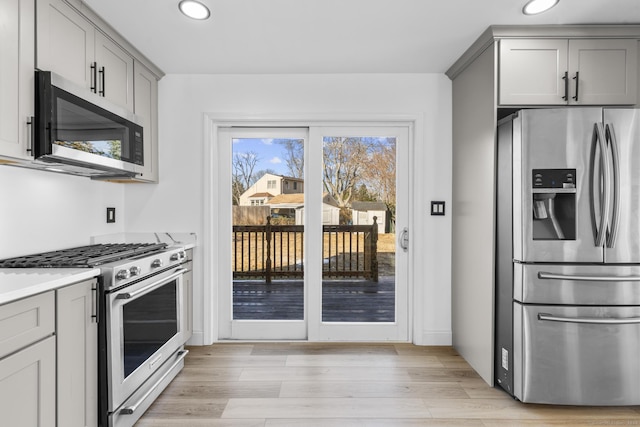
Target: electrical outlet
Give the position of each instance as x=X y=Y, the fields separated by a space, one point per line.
x=111 y=215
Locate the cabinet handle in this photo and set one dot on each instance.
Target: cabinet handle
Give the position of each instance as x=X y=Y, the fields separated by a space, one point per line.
x=30 y=124
x=94 y=77
x=101 y=92
x=577 y=79
x=95 y=308
x=566 y=85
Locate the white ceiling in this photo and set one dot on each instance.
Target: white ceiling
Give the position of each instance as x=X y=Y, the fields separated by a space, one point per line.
x=330 y=36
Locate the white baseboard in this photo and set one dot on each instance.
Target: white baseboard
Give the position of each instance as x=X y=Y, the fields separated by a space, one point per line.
x=434 y=338
x=196 y=339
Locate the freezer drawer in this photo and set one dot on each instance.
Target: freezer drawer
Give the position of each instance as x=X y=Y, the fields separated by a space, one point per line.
x=576 y=284
x=577 y=355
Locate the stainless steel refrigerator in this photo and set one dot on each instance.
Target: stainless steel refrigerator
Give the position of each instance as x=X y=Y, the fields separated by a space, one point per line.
x=568 y=256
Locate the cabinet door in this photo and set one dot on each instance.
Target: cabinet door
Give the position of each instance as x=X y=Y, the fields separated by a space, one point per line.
x=146 y=106
x=115 y=71
x=607 y=72
x=65 y=42
x=17 y=43
x=531 y=72
x=77 y=356
x=28 y=386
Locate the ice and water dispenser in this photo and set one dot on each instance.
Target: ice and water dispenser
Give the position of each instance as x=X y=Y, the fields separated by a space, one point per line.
x=554 y=204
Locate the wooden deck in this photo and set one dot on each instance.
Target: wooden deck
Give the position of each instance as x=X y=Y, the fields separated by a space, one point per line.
x=342 y=300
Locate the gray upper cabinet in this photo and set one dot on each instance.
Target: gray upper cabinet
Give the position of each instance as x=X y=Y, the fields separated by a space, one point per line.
x=77 y=44
x=17 y=42
x=146 y=106
x=70 y=45
x=568 y=71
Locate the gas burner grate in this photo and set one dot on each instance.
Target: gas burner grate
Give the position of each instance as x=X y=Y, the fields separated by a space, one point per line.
x=83 y=256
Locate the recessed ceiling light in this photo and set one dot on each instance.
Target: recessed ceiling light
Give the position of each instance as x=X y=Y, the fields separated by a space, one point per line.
x=194 y=9
x=533 y=7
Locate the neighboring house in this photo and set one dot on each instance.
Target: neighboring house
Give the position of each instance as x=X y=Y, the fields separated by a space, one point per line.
x=362 y=213
x=292 y=206
x=269 y=186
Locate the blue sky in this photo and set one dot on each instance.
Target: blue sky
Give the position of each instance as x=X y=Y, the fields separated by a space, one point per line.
x=271 y=155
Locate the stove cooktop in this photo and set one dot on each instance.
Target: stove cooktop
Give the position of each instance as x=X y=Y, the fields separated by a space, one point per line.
x=83 y=256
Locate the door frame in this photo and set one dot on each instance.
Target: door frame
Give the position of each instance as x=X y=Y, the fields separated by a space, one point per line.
x=211 y=195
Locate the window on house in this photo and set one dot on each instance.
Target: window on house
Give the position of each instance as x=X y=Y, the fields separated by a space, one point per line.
x=295 y=185
x=271 y=184
x=286 y=185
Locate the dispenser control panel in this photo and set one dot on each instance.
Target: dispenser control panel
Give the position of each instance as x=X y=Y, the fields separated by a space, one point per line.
x=554 y=178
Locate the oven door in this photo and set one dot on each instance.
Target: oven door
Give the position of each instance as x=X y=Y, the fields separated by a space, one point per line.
x=144 y=330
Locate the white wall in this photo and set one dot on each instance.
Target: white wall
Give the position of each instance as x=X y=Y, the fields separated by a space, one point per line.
x=43 y=211
x=176 y=203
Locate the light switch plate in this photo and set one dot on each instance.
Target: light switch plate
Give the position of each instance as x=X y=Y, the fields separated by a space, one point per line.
x=111 y=215
x=437 y=208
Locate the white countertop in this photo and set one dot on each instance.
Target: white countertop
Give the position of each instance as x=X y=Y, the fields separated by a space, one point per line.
x=18 y=283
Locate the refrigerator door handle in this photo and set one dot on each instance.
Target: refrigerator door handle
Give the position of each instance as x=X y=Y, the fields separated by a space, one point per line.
x=592 y=320
x=603 y=181
x=610 y=135
x=543 y=275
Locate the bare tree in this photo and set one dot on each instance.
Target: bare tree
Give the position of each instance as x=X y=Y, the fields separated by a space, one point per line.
x=380 y=175
x=243 y=173
x=343 y=161
x=294 y=150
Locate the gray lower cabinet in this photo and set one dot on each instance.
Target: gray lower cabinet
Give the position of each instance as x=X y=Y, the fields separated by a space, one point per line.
x=77 y=334
x=28 y=362
x=48 y=359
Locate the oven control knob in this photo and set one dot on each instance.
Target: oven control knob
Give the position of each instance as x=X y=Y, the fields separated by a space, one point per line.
x=156 y=263
x=122 y=274
x=175 y=257
x=134 y=271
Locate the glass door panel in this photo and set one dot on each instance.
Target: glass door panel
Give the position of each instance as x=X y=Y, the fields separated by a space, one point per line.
x=364 y=278
x=266 y=242
x=358 y=208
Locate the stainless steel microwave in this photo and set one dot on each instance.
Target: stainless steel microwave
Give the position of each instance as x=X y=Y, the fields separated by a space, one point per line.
x=78 y=132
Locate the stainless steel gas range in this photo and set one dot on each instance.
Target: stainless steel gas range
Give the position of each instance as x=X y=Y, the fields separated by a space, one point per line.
x=141 y=320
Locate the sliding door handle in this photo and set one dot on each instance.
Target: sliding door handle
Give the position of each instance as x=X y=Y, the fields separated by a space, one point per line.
x=404 y=239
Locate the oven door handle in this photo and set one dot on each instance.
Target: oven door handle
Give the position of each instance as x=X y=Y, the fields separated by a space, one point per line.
x=593 y=320
x=129 y=410
x=129 y=295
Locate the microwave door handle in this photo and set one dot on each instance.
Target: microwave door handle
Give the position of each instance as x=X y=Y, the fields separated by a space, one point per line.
x=615 y=161
x=603 y=183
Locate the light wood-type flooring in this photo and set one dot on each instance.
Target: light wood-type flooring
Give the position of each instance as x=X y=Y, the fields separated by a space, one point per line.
x=349 y=385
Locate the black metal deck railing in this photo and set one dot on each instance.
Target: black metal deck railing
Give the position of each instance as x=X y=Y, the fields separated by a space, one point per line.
x=277 y=251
